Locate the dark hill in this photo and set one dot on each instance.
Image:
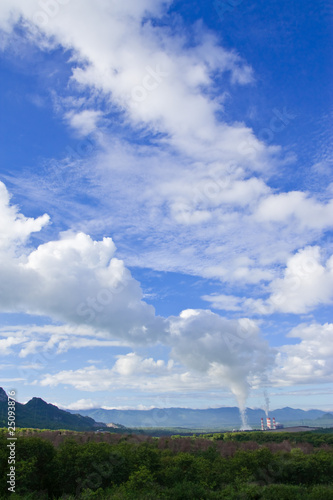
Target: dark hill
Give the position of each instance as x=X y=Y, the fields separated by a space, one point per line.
x=38 y=414
x=3 y=395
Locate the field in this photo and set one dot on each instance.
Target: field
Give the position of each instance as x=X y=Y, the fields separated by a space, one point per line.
x=89 y=465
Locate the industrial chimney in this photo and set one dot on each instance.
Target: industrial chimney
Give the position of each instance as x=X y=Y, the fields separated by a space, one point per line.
x=262 y=424
x=274 y=423
x=269 y=423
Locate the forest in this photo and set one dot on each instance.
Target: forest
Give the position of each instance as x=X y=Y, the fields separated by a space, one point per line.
x=244 y=465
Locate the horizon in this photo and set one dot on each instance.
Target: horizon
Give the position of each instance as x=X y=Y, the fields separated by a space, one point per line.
x=168 y=408
x=166 y=203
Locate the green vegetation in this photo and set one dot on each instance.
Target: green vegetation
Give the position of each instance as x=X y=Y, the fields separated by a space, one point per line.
x=244 y=465
x=316 y=438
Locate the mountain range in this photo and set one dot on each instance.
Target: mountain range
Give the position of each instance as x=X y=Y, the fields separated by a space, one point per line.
x=211 y=418
x=37 y=413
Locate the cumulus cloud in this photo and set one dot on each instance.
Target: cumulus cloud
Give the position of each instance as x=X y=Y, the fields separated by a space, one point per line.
x=15 y=229
x=307 y=282
x=309 y=361
x=75 y=280
x=79 y=281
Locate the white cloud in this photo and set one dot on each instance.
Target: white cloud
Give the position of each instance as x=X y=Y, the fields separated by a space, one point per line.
x=8 y=343
x=31 y=347
x=194 y=218
x=129 y=371
x=147 y=71
x=85 y=122
x=15 y=229
x=93 y=379
x=82 y=404
x=131 y=364
x=309 y=361
x=138 y=407
x=307 y=283
x=224 y=302
x=52 y=330
x=298 y=206
x=78 y=281
x=44 y=343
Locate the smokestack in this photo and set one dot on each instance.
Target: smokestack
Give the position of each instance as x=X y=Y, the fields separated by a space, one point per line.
x=262 y=424
x=274 y=423
x=269 y=423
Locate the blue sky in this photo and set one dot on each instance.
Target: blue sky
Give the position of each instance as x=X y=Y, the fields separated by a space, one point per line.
x=166 y=203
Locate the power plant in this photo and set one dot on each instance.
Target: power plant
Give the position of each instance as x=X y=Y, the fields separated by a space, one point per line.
x=271 y=424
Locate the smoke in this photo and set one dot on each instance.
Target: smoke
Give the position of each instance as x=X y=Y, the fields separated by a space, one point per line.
x=231 y=352
x=266 y=402
x=241 y=395
x=245 y=426
x=242 y=410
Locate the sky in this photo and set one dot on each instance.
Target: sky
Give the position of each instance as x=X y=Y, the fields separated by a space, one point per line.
x=166 y=203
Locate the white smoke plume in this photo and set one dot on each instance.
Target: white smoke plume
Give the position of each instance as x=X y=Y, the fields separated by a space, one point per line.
x=231 y=351
x=267 y=402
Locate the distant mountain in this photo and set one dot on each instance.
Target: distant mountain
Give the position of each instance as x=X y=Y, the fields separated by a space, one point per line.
x=38 y=414
x=326 y=416
x=211 y=418
x=287 y=413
